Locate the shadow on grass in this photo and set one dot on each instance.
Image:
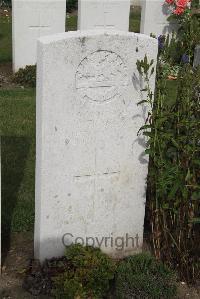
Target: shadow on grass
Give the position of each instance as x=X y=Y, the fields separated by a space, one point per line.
x=14 y=152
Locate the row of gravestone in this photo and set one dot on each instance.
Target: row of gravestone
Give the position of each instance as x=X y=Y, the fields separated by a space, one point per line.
x=32 y=19
x=90 y=163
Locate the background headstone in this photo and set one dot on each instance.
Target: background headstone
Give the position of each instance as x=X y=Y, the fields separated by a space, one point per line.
x=154 y=18
x=90 y=163
x=103 y=14
x=197 y=56
x=32 y=19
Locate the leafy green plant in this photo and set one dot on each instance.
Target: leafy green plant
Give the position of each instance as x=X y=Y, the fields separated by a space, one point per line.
x=26 y=76
x=169 y=49
x=174 y=172
x=169 y=70
x=142 y=277
x=88 y=274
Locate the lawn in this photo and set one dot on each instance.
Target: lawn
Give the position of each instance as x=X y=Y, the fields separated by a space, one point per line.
x=17 y=114
x=5 y=39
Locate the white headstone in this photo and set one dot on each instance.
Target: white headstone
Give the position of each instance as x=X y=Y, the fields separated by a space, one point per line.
x=90 y=168
x=32 y=19
x=196 y=56
x=103 y=14
x=154 y=18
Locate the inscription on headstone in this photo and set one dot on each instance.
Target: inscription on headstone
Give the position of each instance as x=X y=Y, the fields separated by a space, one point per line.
x=103 y=14
x=32 y=19
x=106 y=18
x=96 y=82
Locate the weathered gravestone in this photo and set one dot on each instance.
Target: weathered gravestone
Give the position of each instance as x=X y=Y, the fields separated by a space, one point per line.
x=90 y=167
x=103 y=14
x=154 y=18
x=32 y=19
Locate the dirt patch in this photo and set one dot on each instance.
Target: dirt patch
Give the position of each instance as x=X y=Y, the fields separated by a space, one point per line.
x=185 y=292
x=6 y=75
x=16 y=262
x=5 y=12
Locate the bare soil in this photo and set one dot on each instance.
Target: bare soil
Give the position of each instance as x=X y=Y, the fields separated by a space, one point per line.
x=5 y=11
x=15 y=263
x=6 y=75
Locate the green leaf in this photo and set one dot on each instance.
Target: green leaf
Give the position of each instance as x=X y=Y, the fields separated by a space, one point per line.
x=174 y=142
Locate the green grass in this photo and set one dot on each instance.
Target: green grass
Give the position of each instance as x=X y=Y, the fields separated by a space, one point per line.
x=5 y=39
x=171 y=91
x=18 y=155
x=17 y=114
x=134 y=21
x=71 y=23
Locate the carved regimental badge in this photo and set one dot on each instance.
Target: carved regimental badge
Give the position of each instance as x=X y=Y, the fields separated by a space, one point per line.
x=101 y=76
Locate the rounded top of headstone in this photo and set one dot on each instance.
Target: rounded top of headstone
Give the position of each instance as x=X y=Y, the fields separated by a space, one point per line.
x=54 y=38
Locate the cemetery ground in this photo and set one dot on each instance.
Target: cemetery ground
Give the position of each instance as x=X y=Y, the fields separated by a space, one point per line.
x=17 y=114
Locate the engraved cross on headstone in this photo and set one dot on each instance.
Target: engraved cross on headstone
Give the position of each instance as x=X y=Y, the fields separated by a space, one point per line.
x=106 y=17
x=96 y=176
x=39 y=27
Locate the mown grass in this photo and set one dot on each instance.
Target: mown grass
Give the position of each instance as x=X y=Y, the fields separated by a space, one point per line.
x=17 y=112
x=17 y=115
x=71 y=23
x=5 y=39
x=17 y=126
x=134 y=21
